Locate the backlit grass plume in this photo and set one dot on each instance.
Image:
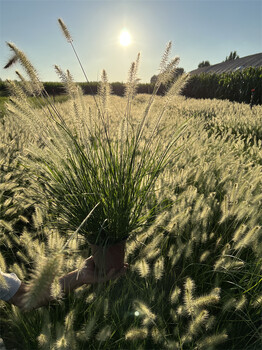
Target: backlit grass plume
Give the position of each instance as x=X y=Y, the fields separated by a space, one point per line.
x=41 y=280
x=29 y=68
x=65 y=30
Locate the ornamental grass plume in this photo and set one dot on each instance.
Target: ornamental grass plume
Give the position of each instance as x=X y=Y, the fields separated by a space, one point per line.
x=206 y=300
x=142 y=267
x=29 y=68
x=86 y=331
x=104 y=333
x=144 y=310
x=65 y=30
x=210 y=342
x=174 y=297
x=136 y=333
x=156 y=335
x=159 y=268
x=41 y=279
x=197 y=323
x=188 y=296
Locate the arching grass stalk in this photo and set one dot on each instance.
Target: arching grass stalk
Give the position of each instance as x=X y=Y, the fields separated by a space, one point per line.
x=70 y=40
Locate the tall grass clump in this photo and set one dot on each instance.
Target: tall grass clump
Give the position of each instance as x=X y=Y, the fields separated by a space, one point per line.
x=84 y=161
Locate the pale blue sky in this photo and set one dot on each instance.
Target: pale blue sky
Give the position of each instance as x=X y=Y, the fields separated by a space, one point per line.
x=199 y=30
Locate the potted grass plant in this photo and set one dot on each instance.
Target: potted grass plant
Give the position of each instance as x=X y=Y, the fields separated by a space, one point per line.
x=96 y=167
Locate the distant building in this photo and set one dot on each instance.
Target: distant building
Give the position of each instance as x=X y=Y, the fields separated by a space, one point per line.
x=231 y=66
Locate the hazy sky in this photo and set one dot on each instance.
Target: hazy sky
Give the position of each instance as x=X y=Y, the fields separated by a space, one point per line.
x=199 y=30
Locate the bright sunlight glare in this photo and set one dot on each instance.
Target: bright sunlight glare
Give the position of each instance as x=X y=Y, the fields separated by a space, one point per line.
x=125 y=38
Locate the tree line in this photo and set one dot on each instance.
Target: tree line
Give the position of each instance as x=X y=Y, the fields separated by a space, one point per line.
x=240 y=86
x=232 y=56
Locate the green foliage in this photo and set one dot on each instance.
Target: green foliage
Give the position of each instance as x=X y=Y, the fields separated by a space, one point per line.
x=144 y=88
x=204 y=64
x=90 y=88
x=202 y=86
x=235 y=86
x=54 y=88
x=153 y=79
x=3 y=89
x=232 y=56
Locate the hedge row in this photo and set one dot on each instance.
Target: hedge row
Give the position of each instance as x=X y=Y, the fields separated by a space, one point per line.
x=119 y=88
x=56 y=88
x=237 y=86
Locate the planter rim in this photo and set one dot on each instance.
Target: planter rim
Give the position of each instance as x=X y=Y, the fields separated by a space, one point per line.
x=123 y=239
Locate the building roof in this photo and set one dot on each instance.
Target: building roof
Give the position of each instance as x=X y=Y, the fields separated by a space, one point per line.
x=231 y=66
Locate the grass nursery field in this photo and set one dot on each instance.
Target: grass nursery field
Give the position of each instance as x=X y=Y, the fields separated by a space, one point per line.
x=179 y=179
x=4 y=100
x=195 y=277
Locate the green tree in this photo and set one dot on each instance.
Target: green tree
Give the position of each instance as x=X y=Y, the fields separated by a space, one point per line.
x=232 y=56
x=153 y=79
x=178 y=71
x=204 y=64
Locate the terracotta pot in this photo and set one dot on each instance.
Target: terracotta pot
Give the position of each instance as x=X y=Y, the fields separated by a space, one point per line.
x=108 y=257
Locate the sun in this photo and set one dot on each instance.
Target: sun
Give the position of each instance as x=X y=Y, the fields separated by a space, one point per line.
x=125 y=38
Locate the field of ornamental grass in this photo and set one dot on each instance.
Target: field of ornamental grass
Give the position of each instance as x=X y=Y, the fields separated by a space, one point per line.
x=195 y=277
